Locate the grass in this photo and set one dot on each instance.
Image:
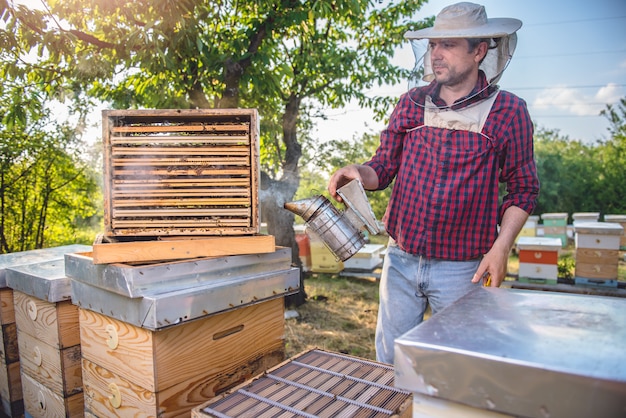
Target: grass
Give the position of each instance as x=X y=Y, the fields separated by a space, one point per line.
x=339 y=315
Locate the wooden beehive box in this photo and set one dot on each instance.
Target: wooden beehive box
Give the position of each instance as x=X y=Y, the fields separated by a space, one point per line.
x=315 y=383
x=133 y=371
x=538 y=259
x=49 y=346
x=192 y=172
x=597 y=250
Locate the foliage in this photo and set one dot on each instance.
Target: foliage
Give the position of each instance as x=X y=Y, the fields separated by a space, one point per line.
x=46 y=190
x=566 y=266
x=578 y=177
x=329 y=156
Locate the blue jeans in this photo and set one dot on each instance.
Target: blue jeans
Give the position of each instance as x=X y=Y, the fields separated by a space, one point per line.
x=408 y=284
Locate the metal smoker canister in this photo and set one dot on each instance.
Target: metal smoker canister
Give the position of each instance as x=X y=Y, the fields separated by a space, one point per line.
x=340 y=236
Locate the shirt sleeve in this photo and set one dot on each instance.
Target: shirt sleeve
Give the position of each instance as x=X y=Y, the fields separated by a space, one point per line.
x=517 y=163
x=387 y=158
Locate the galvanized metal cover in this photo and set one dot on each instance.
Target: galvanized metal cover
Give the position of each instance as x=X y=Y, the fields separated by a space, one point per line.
x=21 y=258
x=138 y=280
x=159 y=295
x=46 y=281
x=525 y=353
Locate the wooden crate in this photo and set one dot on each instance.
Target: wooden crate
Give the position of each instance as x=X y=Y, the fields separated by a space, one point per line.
x=191 y=172
x=50 y=354
x=131 y=371
x=314 y=383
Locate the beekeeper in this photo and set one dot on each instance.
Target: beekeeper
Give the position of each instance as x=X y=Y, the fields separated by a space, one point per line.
x=448 y=145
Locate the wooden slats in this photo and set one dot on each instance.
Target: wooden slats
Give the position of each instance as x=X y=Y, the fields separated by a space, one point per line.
x=182 y=162
x=157 y=203
x=169 y=139
x=167 y=151
x=181 y=172
x=315 y=384
x=157 y=213
x=180 y=182
x=147 y=192
x=181 y=128
x=197 y=171
x=151 y=224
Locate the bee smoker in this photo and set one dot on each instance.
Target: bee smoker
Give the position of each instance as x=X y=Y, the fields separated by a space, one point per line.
x=341 y=231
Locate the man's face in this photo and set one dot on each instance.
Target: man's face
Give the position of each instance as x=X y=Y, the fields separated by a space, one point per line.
x=451 y=60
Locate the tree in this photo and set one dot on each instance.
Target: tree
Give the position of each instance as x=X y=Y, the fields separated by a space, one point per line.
x=44 y=186
x=611 y=156
x=284 y=57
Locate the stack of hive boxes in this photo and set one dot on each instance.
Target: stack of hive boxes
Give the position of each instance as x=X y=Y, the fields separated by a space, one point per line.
x=555 y=226
x=48 y=339
x=14 y=311
x=597 y=252
x=538 y=259
x=182 y=298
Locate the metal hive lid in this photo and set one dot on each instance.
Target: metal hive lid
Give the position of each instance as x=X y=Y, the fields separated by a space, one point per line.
x=21 y=258
x=524 y=353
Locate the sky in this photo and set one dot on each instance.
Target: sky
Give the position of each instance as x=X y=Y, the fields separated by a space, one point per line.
x=570 y=62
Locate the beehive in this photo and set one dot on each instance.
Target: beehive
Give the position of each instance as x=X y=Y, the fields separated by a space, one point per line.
x=315 y=384
x=132 y=371
x=597 y=251
x=538 y=259
x=48 y=339
x=11 y=393
x=180 y=172
x=160 y=338
x=555 y=226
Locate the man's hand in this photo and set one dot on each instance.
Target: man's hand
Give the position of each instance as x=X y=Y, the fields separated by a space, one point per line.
x=493 y=266
x=366 y=175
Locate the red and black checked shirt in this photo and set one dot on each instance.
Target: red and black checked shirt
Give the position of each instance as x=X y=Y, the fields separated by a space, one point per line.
x=444 y=202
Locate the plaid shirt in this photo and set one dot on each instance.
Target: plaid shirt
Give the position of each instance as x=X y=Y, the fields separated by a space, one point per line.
x=445 y=202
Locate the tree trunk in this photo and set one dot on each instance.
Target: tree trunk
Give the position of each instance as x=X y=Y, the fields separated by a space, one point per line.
x=273 y=195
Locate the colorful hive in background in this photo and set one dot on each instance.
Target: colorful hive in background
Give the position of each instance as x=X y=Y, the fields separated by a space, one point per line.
x=555 y=226
x=538 y=259
x=597 y=251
